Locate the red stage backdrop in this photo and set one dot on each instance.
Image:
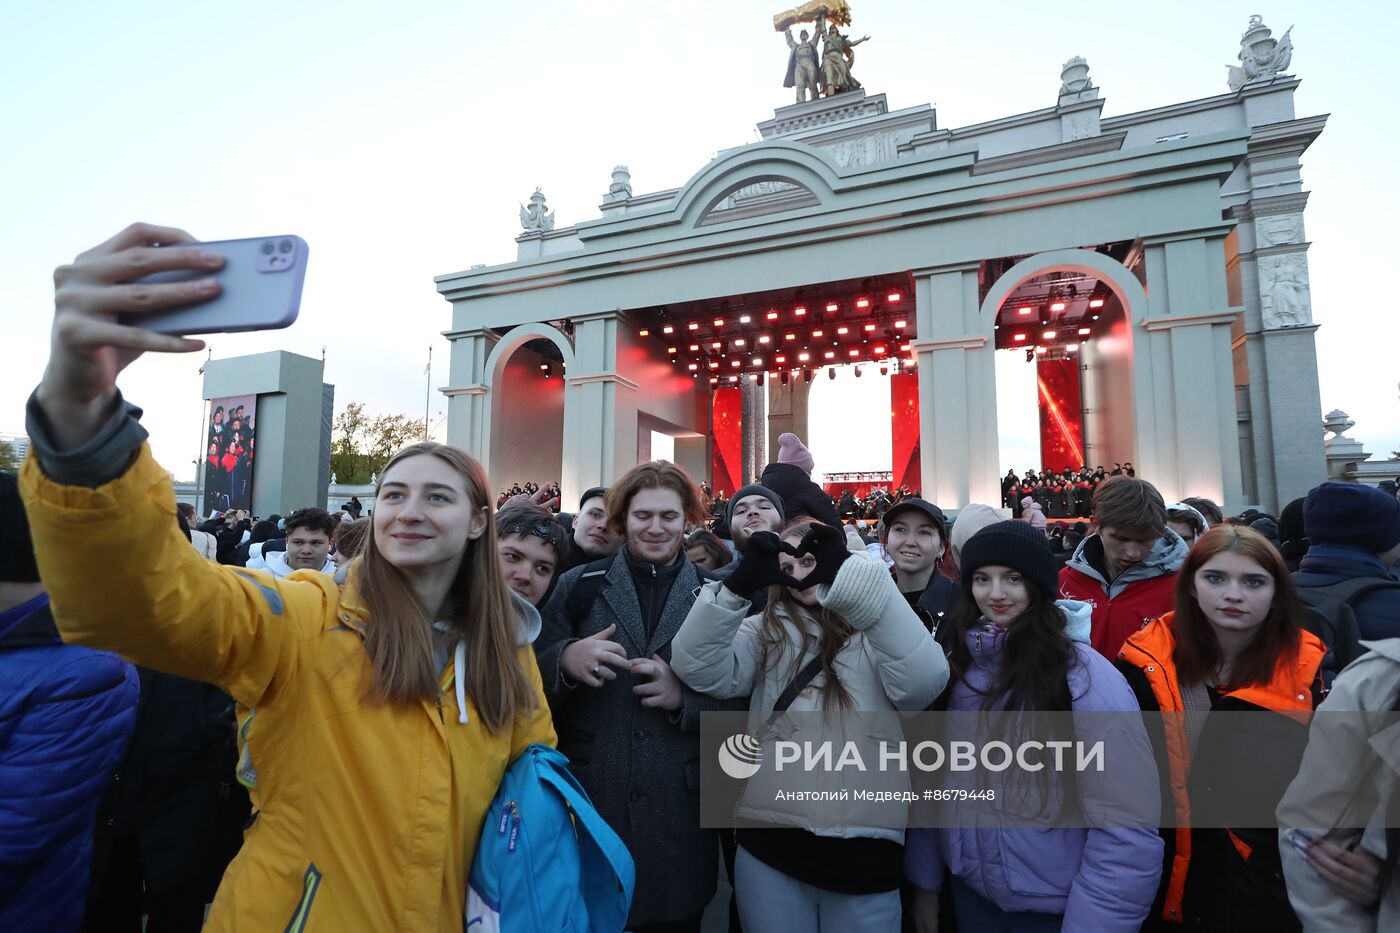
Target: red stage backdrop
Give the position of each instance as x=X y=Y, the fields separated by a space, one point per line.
x=727 y=441
x=1061 y=415
x=904 y=430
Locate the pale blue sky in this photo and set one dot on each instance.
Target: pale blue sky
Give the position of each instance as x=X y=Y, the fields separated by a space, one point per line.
x=398 y=140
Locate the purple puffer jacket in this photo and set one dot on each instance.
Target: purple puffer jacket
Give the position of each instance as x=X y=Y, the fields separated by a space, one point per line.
x=1102 y=880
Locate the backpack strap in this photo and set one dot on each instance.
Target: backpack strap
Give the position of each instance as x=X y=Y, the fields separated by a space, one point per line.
x=1353 y=588
x=585 y=589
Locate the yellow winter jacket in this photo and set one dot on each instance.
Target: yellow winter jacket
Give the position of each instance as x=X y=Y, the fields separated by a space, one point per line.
x=367 y=814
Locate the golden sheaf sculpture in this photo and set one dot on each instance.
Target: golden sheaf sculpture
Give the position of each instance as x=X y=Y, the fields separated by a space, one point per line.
x=837 y=11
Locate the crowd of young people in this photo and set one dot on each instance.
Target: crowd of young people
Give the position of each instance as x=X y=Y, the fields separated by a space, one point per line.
x=378 y=704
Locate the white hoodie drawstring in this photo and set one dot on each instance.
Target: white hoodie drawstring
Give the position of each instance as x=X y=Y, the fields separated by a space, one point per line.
x=459 y=663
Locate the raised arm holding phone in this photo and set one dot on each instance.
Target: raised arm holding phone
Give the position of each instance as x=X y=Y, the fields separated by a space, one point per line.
x=420 y=665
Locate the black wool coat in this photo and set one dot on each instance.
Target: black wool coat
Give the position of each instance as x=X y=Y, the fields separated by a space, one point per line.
x=800 y=495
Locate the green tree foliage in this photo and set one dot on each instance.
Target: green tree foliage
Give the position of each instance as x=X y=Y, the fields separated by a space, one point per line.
x=7 y=458
x=361 y=444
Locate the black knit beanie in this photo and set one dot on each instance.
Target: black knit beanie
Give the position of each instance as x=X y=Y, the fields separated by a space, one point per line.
x=16 y=550
x=755 y=490
x=1011 y=544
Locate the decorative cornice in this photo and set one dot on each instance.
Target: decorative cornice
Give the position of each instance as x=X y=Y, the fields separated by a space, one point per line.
x=1191 y=320
x=1282 y=248
x=1108 y=142
x=474 y=331
x=1278 y=204
x=1200 y=233
x=607 y=377
x=967 y=266
x=450 y=391
x=949 y=343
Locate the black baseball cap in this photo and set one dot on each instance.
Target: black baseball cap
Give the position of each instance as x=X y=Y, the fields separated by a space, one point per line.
x=590 y=493
x=922 y=506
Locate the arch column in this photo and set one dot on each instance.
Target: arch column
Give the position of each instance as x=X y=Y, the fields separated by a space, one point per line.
x=957 y=389
x=593 y=433
x=468 y=396
x=1187 y=424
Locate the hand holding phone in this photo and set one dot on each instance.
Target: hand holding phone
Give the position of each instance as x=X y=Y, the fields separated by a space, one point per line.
x=259 y=289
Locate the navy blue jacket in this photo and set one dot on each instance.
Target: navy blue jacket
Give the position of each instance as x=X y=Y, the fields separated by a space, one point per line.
x=65 y=715
x=1377 y=612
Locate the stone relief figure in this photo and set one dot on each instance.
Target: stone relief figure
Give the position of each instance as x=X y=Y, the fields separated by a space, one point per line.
x=802 y=64
x=1276 y=229
x=1260 y=55
x=1283 y=292
x=838 y=56
x=535 y=219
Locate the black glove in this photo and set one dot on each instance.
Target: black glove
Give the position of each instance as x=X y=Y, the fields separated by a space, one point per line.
x=828 y=546
x=758 y=567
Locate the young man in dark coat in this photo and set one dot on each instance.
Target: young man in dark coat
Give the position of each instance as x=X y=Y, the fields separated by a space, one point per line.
x=627 y=724
x=1353 y=533
x=791 y=479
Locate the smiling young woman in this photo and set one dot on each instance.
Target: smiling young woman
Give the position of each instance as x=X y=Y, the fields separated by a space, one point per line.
x=376 y=720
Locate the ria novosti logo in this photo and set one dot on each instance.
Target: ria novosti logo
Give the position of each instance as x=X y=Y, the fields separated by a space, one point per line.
x=740 y=756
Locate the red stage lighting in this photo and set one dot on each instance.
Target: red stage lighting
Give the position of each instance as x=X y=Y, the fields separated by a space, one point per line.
x=693 y=367
x=733 y=378
x=879 y=351
x=694 y=348
x=904 y=346
x=780 y=358
x=831 y=306
x=893 y=297
x=1019 y=337
x=799 y=312
x=739 y=342
x=772 y=315
x=843 y=330
x=744 y=319
x=1096 y=302
x=899 y=325
x=544 y=366
x=789 y=336
x=736 y=363
x=1057 y=306
x=643 y=333
x=862 y=303
x=758 y=361
x=1041 y=350
x=668 y=329
x=693 y=325
x=853 y=352
x=719 y=322
x=817 y=334
x=670 y=349
x=830 y=354
x=714 y=379
x=717 y=345
x=714 y=364
x=1049 y=335
x=803 y=357
x=764 y=339
x=1025 y=311
x=1085 y=331
x=869 y=328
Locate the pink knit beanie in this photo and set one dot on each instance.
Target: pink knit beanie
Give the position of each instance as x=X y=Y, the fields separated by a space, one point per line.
x=793 y=451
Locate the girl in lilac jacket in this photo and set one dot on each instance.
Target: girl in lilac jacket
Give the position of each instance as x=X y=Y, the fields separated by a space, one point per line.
x=1015 y=648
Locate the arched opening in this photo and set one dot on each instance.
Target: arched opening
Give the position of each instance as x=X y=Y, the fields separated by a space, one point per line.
x=1065 y=378
x=527 y=402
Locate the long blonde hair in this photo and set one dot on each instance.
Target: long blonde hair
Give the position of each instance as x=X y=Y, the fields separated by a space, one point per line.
x=399 y=635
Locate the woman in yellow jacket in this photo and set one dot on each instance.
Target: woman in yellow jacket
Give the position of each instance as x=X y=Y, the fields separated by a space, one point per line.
x=376 y=721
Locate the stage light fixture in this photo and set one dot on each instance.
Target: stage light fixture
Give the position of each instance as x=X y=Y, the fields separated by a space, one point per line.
x=879 y=351
x=714 y=379
x=905 y=346
x=717 y=345
x=1049 y=335
x=733 y=378
x=853 y=353
x=780 y=358
x=1094 y=318
x=1057 y=306
x=862 y=303
x=753 y=377
x=1025 y=311
x=1018 y=337
x=764 y=339
x=693 y=367
x=829 y=354
x=758 y=361
x=831 y=306
x=544 y=367
x=736 y=363
x=739 y=342
x=831 y=373
x=714 y=364
x=744 y=319
x=693 y=325
x=789 y=336
x=668 y=329
x=893 y=297
x=1073 y=348
x=817 y=334
x=843 y=330
x=772 y=315
x=1096 y=302
x=694 y=347
x=670 y=349
x=799 y=312
x=643 y=333
x=718 y=322
x=1085 y=331
x=803 y=357
x=1041 y=351
x=869 y=328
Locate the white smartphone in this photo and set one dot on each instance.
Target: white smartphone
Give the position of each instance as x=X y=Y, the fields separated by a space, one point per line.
x=260 y=289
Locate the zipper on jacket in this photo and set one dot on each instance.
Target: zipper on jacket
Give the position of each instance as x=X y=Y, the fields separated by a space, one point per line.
x=310 y=883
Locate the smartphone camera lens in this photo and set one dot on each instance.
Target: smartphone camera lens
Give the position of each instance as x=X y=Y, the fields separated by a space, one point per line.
x=267 y=248
x=285 y=246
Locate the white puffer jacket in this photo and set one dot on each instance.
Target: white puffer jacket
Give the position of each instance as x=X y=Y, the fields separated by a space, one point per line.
x=890 y=664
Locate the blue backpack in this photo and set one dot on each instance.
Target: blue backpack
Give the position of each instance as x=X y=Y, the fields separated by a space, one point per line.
x=546 y=860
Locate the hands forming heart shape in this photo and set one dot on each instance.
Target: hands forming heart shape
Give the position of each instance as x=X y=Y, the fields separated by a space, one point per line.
x=823 y=542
